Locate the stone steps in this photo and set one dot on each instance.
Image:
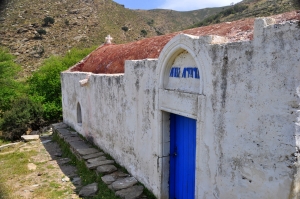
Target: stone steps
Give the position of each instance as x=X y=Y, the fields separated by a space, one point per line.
x=124 y=185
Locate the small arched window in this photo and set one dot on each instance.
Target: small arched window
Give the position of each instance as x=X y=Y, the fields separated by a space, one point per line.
x=79 y=115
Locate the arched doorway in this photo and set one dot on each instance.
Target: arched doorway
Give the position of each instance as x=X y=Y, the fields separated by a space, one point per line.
x=180 y=88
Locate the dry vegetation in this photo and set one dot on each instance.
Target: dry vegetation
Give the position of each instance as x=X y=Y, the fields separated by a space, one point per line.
x=80 y=24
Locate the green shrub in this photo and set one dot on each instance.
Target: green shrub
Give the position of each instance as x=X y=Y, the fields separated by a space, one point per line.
x=10 y=88
x=238 y=8
x=67 y=22
x=48 y=20
x=150 y=22
x=144 y=33
x=45 y=87
x=24 y=114
x=125 y=28
x=158 y=32
x=41 y=31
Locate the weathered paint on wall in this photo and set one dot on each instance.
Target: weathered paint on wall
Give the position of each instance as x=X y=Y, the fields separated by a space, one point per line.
x=246 y=104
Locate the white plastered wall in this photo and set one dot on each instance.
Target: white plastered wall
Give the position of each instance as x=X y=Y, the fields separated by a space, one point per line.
x=246 y=107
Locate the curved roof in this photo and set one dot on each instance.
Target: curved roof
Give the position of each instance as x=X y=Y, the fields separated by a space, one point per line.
x=110 y=58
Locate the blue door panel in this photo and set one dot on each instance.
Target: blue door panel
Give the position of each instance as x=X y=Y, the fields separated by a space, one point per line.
x=182 y=157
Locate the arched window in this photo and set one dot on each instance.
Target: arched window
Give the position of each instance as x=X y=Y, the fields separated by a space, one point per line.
x=79 y=116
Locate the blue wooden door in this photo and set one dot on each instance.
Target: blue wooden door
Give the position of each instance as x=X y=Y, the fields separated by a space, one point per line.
x=182 y=157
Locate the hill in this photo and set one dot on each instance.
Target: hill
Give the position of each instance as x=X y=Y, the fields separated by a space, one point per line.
x=166 y=21
x=250 y=8
x=80 y=23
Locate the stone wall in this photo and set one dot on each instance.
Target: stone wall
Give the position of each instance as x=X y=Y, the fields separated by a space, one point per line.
x=245 y=101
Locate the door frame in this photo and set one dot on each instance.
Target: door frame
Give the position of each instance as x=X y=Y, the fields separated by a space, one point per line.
x=192 y=105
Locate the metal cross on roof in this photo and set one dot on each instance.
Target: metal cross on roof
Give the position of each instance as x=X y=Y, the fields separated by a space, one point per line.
x=108 y=39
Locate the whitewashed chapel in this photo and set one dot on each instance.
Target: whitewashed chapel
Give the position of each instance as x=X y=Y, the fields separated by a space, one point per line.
x=210 y=115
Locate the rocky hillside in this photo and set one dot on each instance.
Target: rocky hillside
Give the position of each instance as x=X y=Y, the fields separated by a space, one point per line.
x=79 y=23
x=166 y=21
x=250 y=8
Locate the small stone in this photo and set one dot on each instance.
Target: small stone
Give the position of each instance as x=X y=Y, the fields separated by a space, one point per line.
x=94 y=155
x=63 y=161
x=123 y=183
x=58 y=154
x=75 y=11
x=96 y=164
x=89 y=190
x=31 y=167
x=46 y=141
x=29 y=138
x=21 y=30
x=65 y=179
x=106 y=169
x=131 y=193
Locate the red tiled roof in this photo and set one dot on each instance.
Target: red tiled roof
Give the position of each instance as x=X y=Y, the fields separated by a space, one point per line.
x=110 y=58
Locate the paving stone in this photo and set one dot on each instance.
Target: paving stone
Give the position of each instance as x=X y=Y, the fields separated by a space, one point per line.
x=63 y=161
x=133 y=192
x=86 y=151
x=93 y=155
x=29 y=138
x=89 y=190
x=143 y=197
x=123 y=183
x=110 y=178
x=101 y=158
x=72 y=138
x=96 y=164
x=106 y=169
x=59 y=125
x=77 y=145
x=63 y=133
x=120 y=174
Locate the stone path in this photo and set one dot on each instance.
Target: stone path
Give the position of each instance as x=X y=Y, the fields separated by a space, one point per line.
x=124 y=185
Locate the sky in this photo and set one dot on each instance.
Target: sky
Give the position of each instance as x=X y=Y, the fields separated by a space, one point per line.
x=179 y=5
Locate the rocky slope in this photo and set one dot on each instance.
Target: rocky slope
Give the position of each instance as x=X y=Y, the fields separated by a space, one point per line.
x=79 y=23
x=250 y=8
